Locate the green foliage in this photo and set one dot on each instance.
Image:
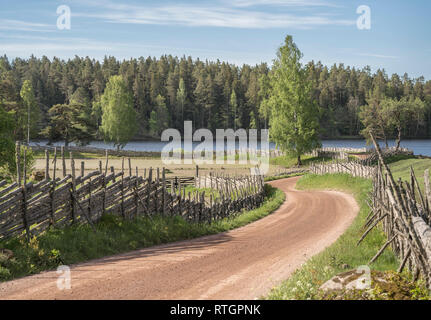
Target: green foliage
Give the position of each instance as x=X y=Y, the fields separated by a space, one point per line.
x=9 y=169
x=7 y=146
x=338 y=89
x=304 y=283
x=115 y=235
x=119 y=123
x=293 y=114
x=32 y=108
x=71 y=122
x=181 y=98
x=159 y=118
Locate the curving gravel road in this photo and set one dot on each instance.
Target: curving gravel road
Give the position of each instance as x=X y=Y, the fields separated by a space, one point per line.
x=240 y=264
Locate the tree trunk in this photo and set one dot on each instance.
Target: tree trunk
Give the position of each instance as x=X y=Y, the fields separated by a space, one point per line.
x=398 y=139
x=299 y=161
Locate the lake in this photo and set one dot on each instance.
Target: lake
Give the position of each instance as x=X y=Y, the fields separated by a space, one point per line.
x=420 y=147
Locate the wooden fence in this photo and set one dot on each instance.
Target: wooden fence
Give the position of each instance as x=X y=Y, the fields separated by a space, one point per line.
x=131 y=153
x=354 y=168
x=404 y=209
x=31 y=208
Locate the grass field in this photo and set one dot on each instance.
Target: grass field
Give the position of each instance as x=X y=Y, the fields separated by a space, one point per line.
x=289 y=161
x=115 y=235
x=401 y=168
x=304 y=282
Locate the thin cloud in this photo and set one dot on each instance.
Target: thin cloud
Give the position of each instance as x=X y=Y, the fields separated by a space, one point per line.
x=17 y=25
x=213 y=16
x=381 y=56
x=287 y=3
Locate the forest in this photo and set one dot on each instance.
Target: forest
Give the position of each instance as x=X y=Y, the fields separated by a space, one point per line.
x=169 y=90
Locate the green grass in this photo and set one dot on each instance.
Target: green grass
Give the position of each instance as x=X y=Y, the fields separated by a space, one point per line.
x=289 y=161
x=401 y=168
x=114 y=235
x=304 y=282
x=284 y=176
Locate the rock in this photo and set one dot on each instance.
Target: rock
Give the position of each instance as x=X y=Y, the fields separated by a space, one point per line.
x=7 y=253
x=38 y=175
x=350 y=280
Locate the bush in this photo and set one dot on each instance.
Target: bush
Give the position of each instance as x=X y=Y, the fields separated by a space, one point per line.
x=9 y=168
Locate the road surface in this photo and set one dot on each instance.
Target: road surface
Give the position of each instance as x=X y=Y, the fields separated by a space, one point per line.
x=240 y=264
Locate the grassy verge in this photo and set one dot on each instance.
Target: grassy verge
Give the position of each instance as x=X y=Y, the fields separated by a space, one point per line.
x=401 y=168
x=115 y=235
x=284 y=176
x=343 y=254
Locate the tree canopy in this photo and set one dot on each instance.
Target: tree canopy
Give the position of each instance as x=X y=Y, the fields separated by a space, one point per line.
x=119 y=123
x=201 y=91
x=293 y=114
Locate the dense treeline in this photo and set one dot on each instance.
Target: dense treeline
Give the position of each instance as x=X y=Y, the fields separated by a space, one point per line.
x=169 y=90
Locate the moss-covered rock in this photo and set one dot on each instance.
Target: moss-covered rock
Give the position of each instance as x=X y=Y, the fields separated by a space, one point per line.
x=388 y=285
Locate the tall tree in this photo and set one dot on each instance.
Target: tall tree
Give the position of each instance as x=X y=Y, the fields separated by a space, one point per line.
x=119 y=123
x=293 y=113
x=181 y=98
x=33 y=112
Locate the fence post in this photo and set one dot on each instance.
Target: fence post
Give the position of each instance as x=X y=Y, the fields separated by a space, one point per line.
x=122 y=188
x=63 y=160
x=73 y=191
x=136 y=193
x=82 y=168
x=106 y=162
x=164 y=191
x=18 y=162
x=46 y=164
x=197 y=177
x=24 y=201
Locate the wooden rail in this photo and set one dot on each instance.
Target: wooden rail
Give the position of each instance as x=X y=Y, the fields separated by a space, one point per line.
x=31 y=208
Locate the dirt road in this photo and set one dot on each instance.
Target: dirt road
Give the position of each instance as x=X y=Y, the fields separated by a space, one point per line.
x=241 y=264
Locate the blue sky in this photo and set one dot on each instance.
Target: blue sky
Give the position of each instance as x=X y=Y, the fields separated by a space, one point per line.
x=238 y=31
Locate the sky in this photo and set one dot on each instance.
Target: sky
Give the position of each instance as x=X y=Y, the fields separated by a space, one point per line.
x=237 y=31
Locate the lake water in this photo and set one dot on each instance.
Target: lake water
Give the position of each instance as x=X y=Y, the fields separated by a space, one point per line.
x=420 y=147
